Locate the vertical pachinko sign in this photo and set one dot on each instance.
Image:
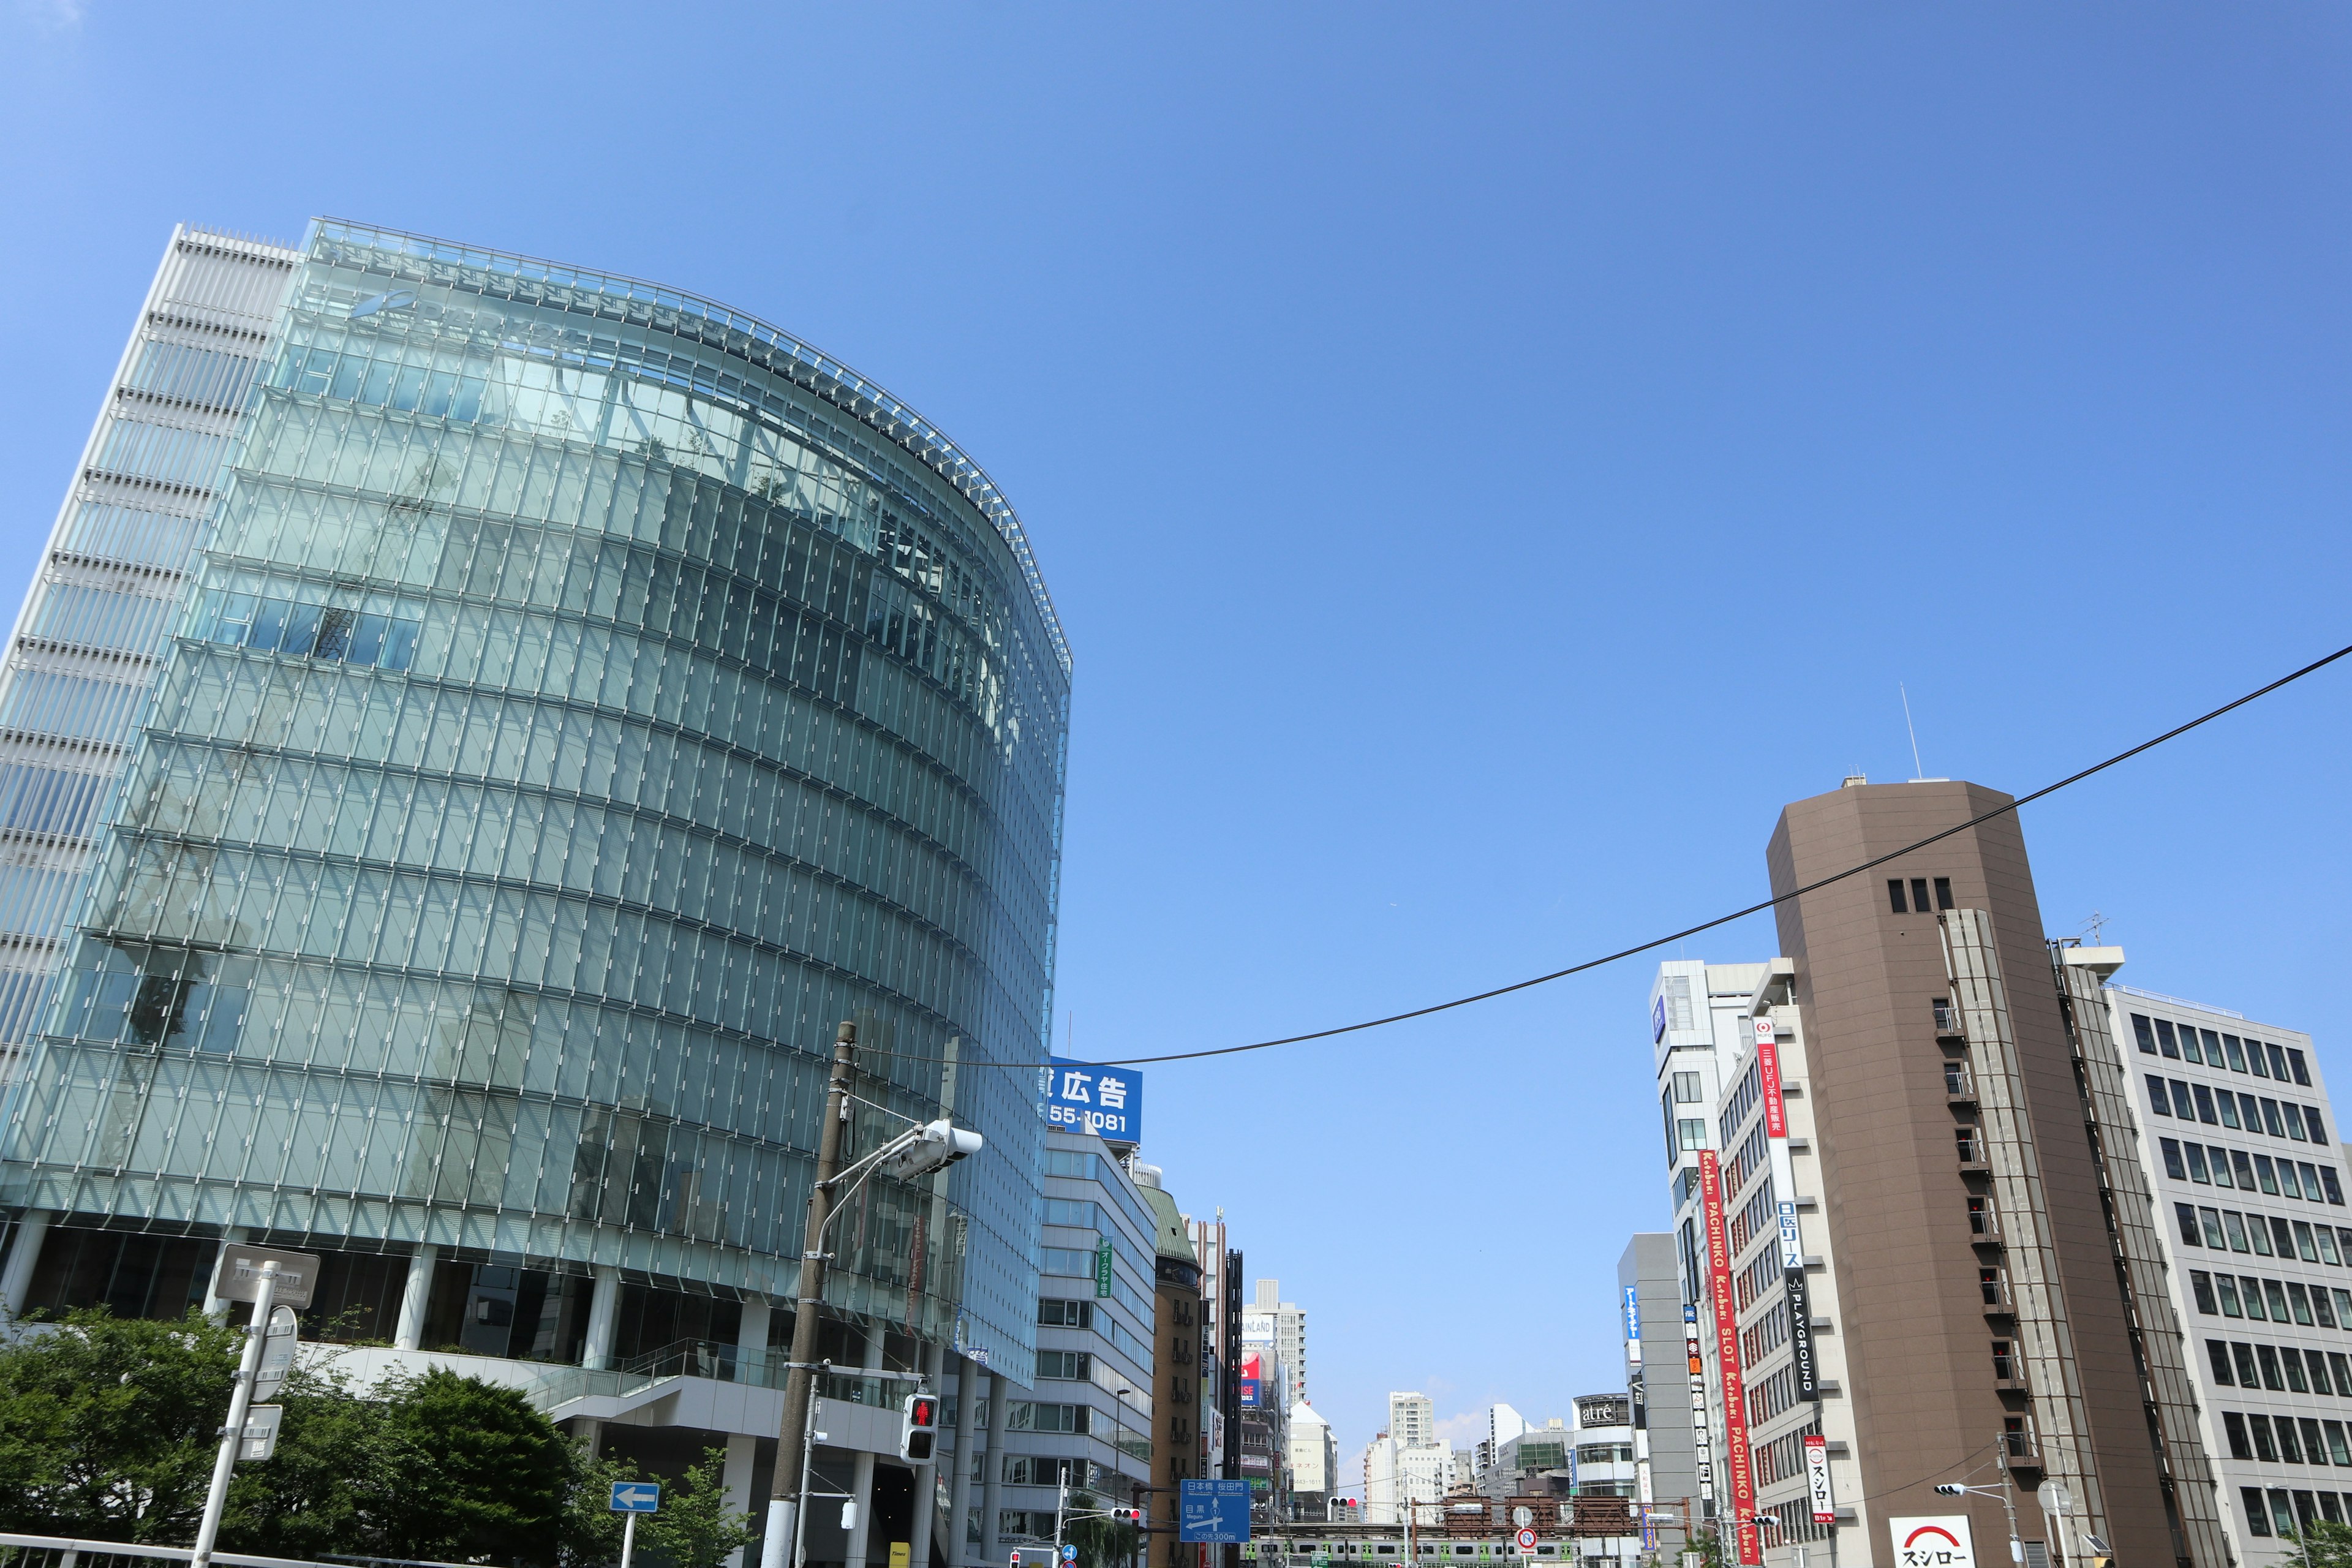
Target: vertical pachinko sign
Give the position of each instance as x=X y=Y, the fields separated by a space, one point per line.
x=1737 y=1459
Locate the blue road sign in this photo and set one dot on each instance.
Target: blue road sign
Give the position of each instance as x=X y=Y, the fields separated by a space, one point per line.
x=1214 y=1512
x=1069 y=1552
x=636 y=1497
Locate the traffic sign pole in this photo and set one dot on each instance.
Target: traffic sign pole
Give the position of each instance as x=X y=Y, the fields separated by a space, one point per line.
x=628 y=1539
x=240 y=1400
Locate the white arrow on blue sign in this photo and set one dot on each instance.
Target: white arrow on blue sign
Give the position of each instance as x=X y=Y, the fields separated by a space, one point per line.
x=636 y=1497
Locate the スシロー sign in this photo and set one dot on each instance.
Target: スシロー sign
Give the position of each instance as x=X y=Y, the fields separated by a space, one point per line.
x=1933 y=1541
x=1105 y=1101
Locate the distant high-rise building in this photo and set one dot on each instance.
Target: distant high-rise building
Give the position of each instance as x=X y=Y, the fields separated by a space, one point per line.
x=1412 y=1419
x=1288 y=1323
x=1650 y=1305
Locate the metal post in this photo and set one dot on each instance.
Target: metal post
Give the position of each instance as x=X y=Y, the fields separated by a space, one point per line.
x=628 y=1537
x=240 y=1400
x=1061 y=1502
x=2009 y=1499
x=784 y=1505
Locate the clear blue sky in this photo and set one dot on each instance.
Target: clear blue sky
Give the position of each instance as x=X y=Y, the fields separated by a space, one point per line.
x=1488 y=459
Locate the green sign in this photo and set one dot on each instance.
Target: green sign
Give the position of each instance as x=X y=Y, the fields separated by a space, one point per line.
x=1102 y=1270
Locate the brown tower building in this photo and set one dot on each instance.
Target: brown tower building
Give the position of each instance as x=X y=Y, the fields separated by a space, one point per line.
x=2001 y=1283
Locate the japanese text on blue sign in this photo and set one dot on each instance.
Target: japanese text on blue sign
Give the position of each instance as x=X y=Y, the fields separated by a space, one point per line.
x=1105 y=1101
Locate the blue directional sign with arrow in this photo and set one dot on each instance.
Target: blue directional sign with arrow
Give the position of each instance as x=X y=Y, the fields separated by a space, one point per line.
x=636 y=1497
x=1214 y=1511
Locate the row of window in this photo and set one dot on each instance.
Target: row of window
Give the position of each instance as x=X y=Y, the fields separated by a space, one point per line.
x=2227 y=1229
x=2270 y=1300
x=2281 y=1369
x=2190 y=1163
x=1919 y=895
x=1742 y=1100
x=308 y=631
x=2198 y=1102
x=2287 y=1439
x=2263 y=1060
x=2307 y=1509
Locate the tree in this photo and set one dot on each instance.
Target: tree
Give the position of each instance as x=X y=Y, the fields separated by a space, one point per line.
x=592 y=1530
x=695 y=1528
x=108 y=1424
x=468 y=1470
x=314 y=1496
x=2322 y=1544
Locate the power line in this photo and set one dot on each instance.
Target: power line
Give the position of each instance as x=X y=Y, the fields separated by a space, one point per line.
x=1976 y=821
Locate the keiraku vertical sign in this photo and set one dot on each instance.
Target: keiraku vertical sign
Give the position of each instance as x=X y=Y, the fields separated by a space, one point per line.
x=1735 y=1455
x=1803 y=1366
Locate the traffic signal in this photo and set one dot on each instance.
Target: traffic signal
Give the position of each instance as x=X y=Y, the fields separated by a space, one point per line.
x=930 y=1146
x=1950 y=1490
x=919 y=1427
x=1127 y=1516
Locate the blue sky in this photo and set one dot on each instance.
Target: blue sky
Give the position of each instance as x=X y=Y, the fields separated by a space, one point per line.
x=1487 y=458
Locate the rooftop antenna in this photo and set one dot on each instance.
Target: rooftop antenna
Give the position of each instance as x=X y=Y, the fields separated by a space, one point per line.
x=2096 y=925
x=1918 y=774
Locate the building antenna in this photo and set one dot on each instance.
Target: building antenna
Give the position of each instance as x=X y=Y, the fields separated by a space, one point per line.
x=1917 y=773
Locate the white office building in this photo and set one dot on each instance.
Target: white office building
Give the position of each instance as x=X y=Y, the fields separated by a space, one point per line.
x=2249 y=1188
x=1714 y=1027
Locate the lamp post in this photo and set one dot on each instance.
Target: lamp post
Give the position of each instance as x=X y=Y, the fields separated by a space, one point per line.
x=2016 y=1542
x=922 y=1148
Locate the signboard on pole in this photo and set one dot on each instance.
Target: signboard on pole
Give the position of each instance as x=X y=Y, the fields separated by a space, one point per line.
x=636 y=1497
x=1933 y=1541
x=259 y=1440
x=240 y=1273
x=1216 y=1513
x=1816 y=1478
x=1726 y=1357
x=1102 y=1268
x=1105 y=1101
x=278 y=1347
x=1702 y=1437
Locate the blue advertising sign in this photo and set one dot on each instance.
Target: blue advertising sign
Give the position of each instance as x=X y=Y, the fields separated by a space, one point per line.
x=1214 y=1512
x=1105 y=1101
x=1249 y=1387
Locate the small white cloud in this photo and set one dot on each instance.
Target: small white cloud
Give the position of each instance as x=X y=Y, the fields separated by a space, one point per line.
x=52 y=16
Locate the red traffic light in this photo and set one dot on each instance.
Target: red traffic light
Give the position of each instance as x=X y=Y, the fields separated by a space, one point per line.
x=923 y=1412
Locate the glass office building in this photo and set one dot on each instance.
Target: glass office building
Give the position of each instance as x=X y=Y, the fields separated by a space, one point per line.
x=585 y=697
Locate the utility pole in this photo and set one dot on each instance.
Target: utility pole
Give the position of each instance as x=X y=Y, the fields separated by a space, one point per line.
x=776 y=1548
x=240 y=1401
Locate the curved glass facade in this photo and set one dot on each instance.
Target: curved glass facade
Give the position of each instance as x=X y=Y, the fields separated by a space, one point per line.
x=588 y=699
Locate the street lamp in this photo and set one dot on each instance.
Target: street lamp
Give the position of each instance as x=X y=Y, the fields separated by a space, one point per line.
x=922 y=1149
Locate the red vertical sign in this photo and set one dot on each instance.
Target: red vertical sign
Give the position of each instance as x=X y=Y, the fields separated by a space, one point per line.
x=1727 y=1355
x=1768 y=1064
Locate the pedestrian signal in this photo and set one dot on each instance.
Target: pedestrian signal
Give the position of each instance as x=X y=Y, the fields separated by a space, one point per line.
x=919 y=1427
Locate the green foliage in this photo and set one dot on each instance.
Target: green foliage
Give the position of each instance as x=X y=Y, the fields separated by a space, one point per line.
x=695 y=1528
x=106 y=1426
x=109 y=1429
x=472 y=1472
x=2321 y=1545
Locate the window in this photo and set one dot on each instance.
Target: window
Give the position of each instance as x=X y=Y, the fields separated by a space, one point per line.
x=1687 y=1088
x=2266 y=1357
x=1947 y=1019
x=2335 y=1187
x=2285 y=1237
x=2317 y=1362
x=1022 y=1416
x=2244 y=1166
x=2289 y=1444
x=2305 y=1247
x=1066 y=1366
x=2288 y=1184
x=2271 y=1122
x=2197 y=1164
x=2266 y=1174
x=2301 y=1301
x=2219 y=1351
x=2261 y=1234
x=1067 y=1314
x=2234 y=1426
x=2213 y=1228
x=2229 y=1107
x=1070 y=1211
x=2338 y=1364
x=2258 y=1514
x=2274 y=1293
x=2254 y=1295
x=2265 y=1447
x=2326 y=1313
x=2186 y=1212
x=1691 y=1131
x=1895 y=895
x=2201 y=1284
x=2226 y=1287
x=2282 y=1512
x=2327 y=1252
x=2143 y=1032
x=1943 y=892
x=2296 y=1065
x=1988 y=1281
x=2172 y=1166
x=1980 y=1218
x=2256 y=1060
x=2220 y=1166
x=2205 y=1112
x=2158 y=1100
x=2313 y=1125
x=2164 y=1041
x=1970 y=1152
x=2291 y=1361
x=2247 y=1376
x=2237 y=1057
x=2293 y=1114
x=2004 y=1364
x=2188 y=1050
x=2278 y=1062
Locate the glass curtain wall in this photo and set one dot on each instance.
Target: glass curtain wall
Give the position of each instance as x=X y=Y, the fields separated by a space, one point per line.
x=589 y=697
